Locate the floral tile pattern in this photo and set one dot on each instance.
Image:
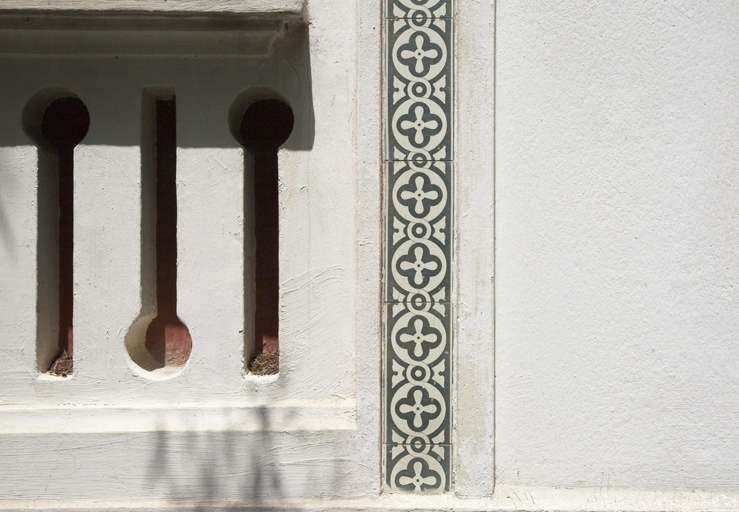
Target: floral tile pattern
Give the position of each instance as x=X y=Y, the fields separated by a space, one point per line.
x=417 y=393
x=418 y=237
x=418 y=242
x=419 y=9
x=419 y=468
x=419 y=83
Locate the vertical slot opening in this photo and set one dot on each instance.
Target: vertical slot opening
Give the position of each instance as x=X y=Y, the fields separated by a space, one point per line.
x=265 y=126
x=159 y=341
x=59 y=121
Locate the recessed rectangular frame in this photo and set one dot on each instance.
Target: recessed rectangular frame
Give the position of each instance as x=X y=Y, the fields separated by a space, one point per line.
x=35 y=403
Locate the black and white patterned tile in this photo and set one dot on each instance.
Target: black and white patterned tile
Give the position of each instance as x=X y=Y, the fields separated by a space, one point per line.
x=419 y=173
x=419 y=9
x=419 y=85
x=418 y=387
x=418 y=233
x=419 y=468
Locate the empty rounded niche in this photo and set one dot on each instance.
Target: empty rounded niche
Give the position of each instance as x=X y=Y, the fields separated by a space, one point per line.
x=261 y=121
x=58 y=120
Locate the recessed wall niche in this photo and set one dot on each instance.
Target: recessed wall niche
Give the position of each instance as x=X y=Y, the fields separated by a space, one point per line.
x=264 y=124
x=211 y=416
x=159 y=341
x=115 y=267
x=58 y=120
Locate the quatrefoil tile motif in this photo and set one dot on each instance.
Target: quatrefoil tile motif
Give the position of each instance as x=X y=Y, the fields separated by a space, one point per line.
x=418 y=231
x=418 y=245
x=420 y=83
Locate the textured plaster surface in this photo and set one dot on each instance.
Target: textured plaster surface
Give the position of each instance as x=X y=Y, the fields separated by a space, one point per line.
x=210 y=433
x=474 y=419
x=318 y=264
x=615 y=382
x=616 y=247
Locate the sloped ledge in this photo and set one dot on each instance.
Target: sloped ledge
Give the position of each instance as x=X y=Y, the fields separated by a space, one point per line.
x=161 y=28
x=279 y=8
x=67 y=34
x=91 y=419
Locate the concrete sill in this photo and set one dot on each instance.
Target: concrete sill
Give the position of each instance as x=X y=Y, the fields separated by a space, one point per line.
x=281 y=8
x=65 y=34
x=88 y=419
x=199 y=28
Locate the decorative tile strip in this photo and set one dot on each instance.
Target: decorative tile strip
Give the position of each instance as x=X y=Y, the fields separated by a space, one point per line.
x=419 y=84
x=418 y=246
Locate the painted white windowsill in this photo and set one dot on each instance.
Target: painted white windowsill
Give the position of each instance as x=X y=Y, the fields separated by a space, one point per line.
x=294 y=7
x=67 y=29
x=188 y=417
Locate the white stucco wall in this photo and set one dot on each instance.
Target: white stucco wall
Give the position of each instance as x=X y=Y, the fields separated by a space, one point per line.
x=210 y=433
x=616 y=252
x=602 y=136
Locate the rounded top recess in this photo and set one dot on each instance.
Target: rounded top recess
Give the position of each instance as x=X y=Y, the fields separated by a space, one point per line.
x=266 y=125
x=65 y=123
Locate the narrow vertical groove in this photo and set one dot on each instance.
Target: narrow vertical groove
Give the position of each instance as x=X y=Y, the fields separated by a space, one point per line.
x=64 y=124
x=66 y=249
x=267 y=235
x=166 y=229
x=168 y=340
x=47 y=260
x=148 y=202
x=266 y=125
